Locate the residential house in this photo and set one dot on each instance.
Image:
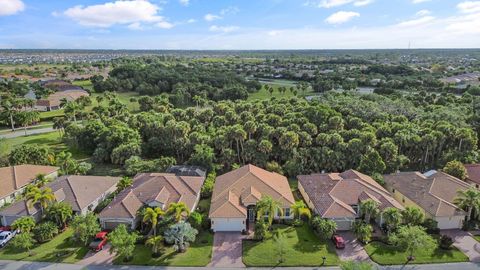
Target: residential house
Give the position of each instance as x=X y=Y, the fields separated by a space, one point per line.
x=337 y=196
x=83 y=193
x=53 y=101
x=236 y=193
x=153 y=190
x=473 y=174
x=13 y=179
x=433 y=192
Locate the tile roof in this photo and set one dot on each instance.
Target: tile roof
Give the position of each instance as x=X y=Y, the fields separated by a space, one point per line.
x=78 y=191
x=435 y=193
x=56 y=98
x=164 y=188
x=333 y=194
x=16 y=177
x=473 y=172
x=237 y=189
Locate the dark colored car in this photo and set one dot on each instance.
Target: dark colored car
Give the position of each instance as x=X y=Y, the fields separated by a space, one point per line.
x=338 y=241
x=99 y=242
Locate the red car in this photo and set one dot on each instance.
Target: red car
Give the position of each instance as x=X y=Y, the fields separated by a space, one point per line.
x=338 y=241
x=99 y=242
x=5 y=228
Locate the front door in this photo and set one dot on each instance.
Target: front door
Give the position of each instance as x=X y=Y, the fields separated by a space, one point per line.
x=251 y=214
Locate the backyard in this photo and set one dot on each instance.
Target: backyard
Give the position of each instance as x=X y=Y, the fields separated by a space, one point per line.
x=198 y=254
x=384 y=254
x=60 y=250
x=303 y=248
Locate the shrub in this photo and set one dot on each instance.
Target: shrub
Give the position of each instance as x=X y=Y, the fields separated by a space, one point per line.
x=45 y=231
x=431 y=225
x=325 y=228
x=207 y=187
x=260 y=230
x=446 y=242
x=196 y=220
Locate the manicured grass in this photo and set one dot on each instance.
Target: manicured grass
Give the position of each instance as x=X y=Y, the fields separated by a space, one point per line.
x=204 y=205
x=85 y=84
x=51 y=139
x=51 y=114
x=304 y=248
x=384 y=254
x=60 y=250
x=477 y=237
x=264 y=94
x=198 y=254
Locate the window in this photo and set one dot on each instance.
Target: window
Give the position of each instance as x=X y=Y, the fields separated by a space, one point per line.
x=286 y=212
x=393 y=190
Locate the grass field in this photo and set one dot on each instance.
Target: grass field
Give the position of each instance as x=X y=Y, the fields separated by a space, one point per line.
x=384 y=254
x=264 y=94
x=303 y=248
x=59 y=250
x=198 y=254
x=51 y=139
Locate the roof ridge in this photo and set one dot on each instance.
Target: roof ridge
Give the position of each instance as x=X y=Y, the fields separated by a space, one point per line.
x=73 y=191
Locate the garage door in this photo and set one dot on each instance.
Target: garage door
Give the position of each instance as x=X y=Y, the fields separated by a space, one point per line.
x=343 y=225
x=228 y=224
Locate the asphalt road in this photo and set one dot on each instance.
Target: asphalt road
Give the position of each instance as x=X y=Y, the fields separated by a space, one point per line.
x=21 y=132
x=22 y=265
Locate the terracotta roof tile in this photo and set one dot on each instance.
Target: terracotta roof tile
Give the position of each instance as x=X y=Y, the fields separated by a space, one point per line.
x=16 y=177
x=473 y=172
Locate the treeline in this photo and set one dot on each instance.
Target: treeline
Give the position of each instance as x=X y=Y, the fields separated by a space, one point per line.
x=371 y=133
x=180 y=80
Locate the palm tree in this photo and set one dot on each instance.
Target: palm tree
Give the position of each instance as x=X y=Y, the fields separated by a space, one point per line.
x=151 y=216
x=156 y=242
x=369 y=208
x=124 y=183
x=468 y=200
x=60 y=212
x=41 y=196
x=27 y=118
x=412 y=216
x=10 y=108
x=268 y=206
x=392 y=218
x=299 y=209
x=41 y=180
x=177 y=210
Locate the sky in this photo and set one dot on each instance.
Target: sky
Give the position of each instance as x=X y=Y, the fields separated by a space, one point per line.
x=239 y=24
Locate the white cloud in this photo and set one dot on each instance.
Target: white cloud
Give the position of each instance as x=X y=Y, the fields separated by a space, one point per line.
x=164 y=25
x=224 y=29
x=191 y=21
x=415 y=22
x=466 y=24
x=118 y=12
x=211 y=17
x=341 y=17
x=135 y=26
x=469 y=6
x=184 y=2
x=10 y=7
x=423 y=12
x=336 y=3
x=362 y=3
x=419 y=1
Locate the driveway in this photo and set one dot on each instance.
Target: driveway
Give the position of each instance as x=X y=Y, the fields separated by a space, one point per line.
x=353 y=249
x=227 y=250
x=466 y=243
x=103 y=257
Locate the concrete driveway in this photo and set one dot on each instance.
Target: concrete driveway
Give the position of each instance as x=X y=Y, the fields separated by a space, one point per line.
x=353 y=249
x=103 y=257
x=465 y=242
x=227 y=250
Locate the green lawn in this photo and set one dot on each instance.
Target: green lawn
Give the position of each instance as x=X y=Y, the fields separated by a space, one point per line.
x=477 y=237
x=51 y=139
x=304 y=249
x=51 y=114
x=60 y=250
x=264 y=94
x=198 y=254
x=85 y=84
x=204 y=205
x=384 y=254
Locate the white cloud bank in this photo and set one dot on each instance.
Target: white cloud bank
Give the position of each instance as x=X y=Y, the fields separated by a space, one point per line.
x=133 y=13
x=11 y=7
x=341 y=17
x=336 y=3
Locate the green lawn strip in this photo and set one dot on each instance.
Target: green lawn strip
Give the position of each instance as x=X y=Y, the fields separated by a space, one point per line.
x=59 y=250
x=477 y=237
x=51 y=114
x=304 y=249
x=384 y=254
x=198 y=254
x=50 y=139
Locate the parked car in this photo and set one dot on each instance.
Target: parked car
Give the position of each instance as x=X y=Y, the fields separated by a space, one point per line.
x=99 y=242
x=338 y=241
x=5 y=228
x=5 y=237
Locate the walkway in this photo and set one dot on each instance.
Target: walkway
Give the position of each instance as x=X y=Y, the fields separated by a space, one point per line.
x=227 y=250
x=465 y=242
x=103 y=257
